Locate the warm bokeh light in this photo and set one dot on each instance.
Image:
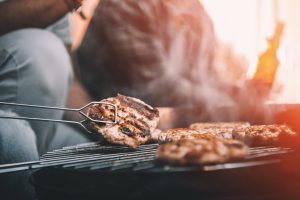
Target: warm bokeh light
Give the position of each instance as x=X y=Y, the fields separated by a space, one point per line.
x=268 y=62
x=247 y=24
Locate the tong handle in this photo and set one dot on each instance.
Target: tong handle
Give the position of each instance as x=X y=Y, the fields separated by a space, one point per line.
x=47 y=120
x=36 y=106
x=39 y=119
x=80 y=110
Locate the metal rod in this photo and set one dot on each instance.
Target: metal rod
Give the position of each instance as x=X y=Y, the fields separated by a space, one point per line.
x=48 y=120
x=67 y=163
x=269 y=154
x=79 y=110
x=109 y=162
x=98 y=149
x=64 y=160
x=91 y=156
x=14 y=167
x=40 y=119
x=19 y=164
x=239 y=165
x=37 y=106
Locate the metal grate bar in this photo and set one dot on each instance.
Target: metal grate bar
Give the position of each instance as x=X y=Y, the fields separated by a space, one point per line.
x=94 y=156
x=113 y=158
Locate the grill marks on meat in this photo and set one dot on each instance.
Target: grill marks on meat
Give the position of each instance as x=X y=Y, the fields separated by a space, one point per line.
x=177 y=134
x=201 y=151
x=143 y=109
x=259 y=135
x=206 y=143
x=262 y=135
x=138 y=125
x=219 y=125
x=102 y=113
x=221 y=130
x=136 y=120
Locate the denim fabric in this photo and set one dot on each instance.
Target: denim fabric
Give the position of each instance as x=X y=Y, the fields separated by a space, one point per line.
x=35 y=68
x=62 y=29
x=17 y=144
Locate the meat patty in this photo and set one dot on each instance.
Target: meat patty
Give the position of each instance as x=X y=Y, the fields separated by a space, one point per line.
x=221 y=129
x=155 y=135
x=135 y=121
x=201 y=151
x=262 y=135
x=177 y=134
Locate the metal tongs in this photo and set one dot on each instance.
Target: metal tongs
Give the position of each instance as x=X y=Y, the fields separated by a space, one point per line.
x=83 y=123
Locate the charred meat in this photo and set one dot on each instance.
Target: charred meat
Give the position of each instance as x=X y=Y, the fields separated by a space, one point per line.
x=201 y=151
x=135 y=121
x=155 y=135
x=262 y=135
x=221 y=129
x=177 y=134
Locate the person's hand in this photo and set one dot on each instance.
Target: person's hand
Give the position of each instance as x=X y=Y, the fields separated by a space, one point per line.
x=74 y=4
x=89 y=7
x=79 y=26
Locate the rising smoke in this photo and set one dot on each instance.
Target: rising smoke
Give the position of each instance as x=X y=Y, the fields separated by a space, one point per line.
x=163 y=52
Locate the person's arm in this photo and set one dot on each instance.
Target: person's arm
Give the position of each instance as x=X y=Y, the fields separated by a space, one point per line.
x=17 y=14
x=78 y=95
x=79 y=26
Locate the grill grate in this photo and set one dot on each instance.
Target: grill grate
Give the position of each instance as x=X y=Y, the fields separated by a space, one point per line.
x=96 y=156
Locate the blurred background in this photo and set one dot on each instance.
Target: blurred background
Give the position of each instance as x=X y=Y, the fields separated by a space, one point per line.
x=208 y=53
x=245 y=25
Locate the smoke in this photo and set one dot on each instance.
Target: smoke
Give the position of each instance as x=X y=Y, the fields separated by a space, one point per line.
x=163 y=51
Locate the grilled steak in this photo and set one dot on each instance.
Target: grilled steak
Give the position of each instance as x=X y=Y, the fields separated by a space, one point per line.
x=177 y=134
x=262 y=135
x=222 y=130
x=201 y=151
x=136 y=120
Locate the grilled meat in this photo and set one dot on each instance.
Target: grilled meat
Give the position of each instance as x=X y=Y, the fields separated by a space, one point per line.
x=155 y=135
x=221 y=130
x=201 y=151
x=177 y=134
x=219 y=125
x=136 y=120
x=262 y=135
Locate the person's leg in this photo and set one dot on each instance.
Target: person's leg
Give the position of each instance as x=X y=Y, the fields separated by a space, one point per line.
x=35 y=68
x=17 y=144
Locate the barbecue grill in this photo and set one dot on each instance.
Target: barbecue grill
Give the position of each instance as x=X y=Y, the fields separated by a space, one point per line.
x=100 y=171
x=97 y=171
x=93 y=170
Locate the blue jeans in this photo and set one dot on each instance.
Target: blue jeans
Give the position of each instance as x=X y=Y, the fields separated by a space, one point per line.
x=35 y=68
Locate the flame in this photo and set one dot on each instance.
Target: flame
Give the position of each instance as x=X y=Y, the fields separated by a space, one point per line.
x=252 y=68
x=268 y=62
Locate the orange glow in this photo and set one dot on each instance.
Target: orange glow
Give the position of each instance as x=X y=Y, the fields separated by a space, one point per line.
x=268 y=62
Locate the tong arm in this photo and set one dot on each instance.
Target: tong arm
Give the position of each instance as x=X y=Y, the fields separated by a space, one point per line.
x=79 y=110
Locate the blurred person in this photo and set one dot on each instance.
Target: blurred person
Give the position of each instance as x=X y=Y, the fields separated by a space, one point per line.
x=156 y=50
x=166 y=53
x=35 y=68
